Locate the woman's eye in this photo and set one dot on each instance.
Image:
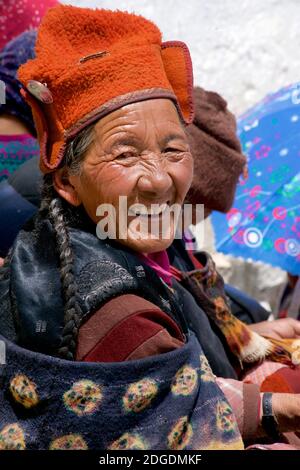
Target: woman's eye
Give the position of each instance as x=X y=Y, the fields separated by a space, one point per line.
x=125 y=155
x=172 y=150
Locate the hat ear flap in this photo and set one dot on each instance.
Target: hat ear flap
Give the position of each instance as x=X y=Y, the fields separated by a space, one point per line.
x=57 y=145
x=178 y=66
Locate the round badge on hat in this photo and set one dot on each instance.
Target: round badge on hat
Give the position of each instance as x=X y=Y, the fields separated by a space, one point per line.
x=40 y=91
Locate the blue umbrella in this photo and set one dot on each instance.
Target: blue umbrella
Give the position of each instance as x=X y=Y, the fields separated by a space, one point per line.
x=264 y=222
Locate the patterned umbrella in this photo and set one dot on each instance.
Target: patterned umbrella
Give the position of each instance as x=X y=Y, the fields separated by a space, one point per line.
x=264 y=222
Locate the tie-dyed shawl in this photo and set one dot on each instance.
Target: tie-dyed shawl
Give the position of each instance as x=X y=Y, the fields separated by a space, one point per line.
x=170 y=401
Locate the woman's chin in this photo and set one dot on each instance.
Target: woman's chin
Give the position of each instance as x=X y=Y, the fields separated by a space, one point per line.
x=154 y=247
x=146 y=244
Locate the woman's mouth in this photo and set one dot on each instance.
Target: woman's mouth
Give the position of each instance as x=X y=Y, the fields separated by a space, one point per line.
x=153 y=211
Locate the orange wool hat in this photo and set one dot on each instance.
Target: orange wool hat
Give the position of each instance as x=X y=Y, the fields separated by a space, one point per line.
x=91 y=62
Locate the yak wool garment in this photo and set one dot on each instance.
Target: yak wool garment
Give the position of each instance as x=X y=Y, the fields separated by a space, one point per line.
x=170 y=401
x=217 y=152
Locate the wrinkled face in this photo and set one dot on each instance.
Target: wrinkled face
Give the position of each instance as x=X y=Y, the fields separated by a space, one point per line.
x=140 y=152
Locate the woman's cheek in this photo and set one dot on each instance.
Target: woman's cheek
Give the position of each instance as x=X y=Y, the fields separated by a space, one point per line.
x=185 y=174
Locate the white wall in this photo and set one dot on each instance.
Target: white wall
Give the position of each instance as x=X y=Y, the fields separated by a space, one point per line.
x=240 y=48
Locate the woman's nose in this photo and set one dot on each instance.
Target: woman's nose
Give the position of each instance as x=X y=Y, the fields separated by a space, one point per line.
x=156 y=181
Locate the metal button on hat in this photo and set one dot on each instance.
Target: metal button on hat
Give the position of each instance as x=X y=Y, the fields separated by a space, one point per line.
x=40 y=91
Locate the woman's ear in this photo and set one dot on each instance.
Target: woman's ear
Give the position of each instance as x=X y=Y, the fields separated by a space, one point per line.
x=64 y=187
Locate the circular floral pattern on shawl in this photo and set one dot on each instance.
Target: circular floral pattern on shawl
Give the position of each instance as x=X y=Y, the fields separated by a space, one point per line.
x=69 y=442
x=205 y=370
x=83 y=397
x=128 y=442
x=184 y=381
x=139 y=395
x=12 y=438
x=225 y=419
x=24 y=391
x=180 y=435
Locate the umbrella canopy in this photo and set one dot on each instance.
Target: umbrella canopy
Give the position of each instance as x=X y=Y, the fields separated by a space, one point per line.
x=264 y=222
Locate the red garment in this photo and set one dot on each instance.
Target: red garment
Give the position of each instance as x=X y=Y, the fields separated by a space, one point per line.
x=17 y=16
x=126 y=328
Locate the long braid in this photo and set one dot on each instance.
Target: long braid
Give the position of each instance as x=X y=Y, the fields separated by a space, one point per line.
x=59 y=213
x=72 y=310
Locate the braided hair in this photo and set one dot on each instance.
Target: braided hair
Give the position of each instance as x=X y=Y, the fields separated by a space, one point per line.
x=56 y=209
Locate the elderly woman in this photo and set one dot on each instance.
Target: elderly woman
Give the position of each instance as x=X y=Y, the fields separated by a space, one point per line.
x=100 y=351
x=109 y=101
x=17 y=132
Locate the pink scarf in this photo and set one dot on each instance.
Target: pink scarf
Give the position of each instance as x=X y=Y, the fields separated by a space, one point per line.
x=159 y=262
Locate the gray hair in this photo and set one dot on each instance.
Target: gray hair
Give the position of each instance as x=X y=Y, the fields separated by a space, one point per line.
x=56 y=210
x=77 y=149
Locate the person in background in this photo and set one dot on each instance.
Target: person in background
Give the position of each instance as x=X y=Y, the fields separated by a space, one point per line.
x=18 y=143
x=17 y=133
x=218 y=165
x=18 y=20
x=217 y=153
x=17 y=16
